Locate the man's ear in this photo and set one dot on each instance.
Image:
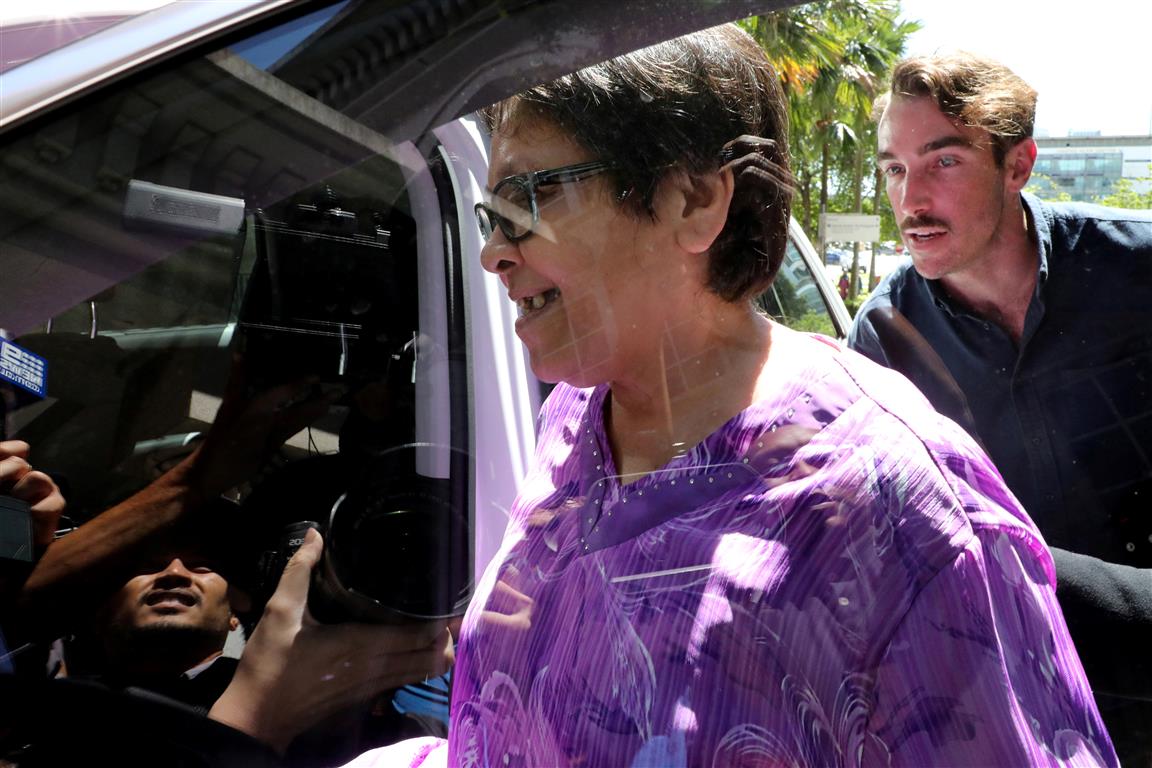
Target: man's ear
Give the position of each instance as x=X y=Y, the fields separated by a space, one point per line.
x=701 y=208
x=1018 y=163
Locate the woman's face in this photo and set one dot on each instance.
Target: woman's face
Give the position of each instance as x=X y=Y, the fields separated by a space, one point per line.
x=591 y=288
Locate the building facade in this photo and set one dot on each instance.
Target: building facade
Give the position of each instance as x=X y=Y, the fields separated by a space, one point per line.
x=1086 y=167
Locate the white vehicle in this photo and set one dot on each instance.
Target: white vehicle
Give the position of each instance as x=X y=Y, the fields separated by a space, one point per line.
x=301 y=175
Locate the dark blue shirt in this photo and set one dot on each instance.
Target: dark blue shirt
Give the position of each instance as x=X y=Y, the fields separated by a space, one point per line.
x=1066 y=415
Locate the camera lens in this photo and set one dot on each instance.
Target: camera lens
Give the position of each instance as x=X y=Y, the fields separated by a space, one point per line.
x=396 y=550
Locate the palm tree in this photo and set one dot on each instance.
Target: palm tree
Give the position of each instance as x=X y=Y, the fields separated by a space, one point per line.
x=871 y=51
x=800 y=42
x=833 y=57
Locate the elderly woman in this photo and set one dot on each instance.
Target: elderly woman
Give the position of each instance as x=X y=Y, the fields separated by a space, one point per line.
x=738 y=544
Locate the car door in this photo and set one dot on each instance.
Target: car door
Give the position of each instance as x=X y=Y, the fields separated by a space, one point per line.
x=294 y=180
x=296 y=118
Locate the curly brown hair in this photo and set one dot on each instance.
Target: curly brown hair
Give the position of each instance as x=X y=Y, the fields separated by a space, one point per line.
x=669 y=107
x=976 y=91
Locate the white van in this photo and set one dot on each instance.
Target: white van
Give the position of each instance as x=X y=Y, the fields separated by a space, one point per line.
x=296 y=180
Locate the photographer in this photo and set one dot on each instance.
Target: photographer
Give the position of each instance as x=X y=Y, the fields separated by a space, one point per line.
x=21 y=486
x=80 y=569
x=166 y=628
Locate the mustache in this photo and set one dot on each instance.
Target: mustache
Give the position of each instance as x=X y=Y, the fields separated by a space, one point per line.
x=915 y=222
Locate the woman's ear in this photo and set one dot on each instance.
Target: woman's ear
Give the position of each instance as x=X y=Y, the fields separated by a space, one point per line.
x=701 y=206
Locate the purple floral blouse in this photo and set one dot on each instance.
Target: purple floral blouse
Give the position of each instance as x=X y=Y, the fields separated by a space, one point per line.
x=835 y=577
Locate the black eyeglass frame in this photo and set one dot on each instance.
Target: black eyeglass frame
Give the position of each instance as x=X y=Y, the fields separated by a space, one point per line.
x=490 y=219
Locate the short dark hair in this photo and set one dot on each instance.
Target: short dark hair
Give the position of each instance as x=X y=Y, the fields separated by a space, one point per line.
x=978 y=92
x=673 y=106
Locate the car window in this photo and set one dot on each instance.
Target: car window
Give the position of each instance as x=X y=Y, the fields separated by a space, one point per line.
x=151 y=226
x=249 y=202
x=204 y=236
x=217 y=203
x=795 y=298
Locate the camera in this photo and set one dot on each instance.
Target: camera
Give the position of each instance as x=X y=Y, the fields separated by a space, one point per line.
x=15 y=538
x=397 y=544
x=322 y=296
x=333 y=294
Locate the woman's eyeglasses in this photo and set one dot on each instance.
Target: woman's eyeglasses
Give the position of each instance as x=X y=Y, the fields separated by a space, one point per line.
x=513 y=205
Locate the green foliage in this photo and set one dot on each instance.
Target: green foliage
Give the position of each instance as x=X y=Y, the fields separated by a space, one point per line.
x=1124 y=194
x=853 y=303
x=1046 y=189
x=834 y=58
x=813 y=322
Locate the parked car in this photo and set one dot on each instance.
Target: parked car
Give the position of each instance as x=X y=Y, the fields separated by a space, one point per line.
x=302 y=176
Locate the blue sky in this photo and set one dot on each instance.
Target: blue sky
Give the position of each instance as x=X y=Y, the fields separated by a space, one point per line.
x=1091 y=61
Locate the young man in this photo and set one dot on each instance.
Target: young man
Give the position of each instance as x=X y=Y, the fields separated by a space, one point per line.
x=165 y=629
x=1029 y=323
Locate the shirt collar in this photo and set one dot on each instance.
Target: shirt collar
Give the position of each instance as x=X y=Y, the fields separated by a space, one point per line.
x=941 y=298
x=190 y=674
x=1039 y=222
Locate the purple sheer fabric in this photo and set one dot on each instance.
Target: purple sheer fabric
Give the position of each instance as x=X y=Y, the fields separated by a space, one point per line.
x=835 y=577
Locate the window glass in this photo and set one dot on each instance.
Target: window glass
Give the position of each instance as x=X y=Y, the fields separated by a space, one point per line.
x=224 y=204
x=154 y=224
x=182 y=245
x=794 y=298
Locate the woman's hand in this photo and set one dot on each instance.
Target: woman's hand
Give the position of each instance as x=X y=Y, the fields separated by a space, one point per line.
x=295 y=672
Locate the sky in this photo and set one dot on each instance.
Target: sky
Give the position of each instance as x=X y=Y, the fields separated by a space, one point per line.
x=1090 y=61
